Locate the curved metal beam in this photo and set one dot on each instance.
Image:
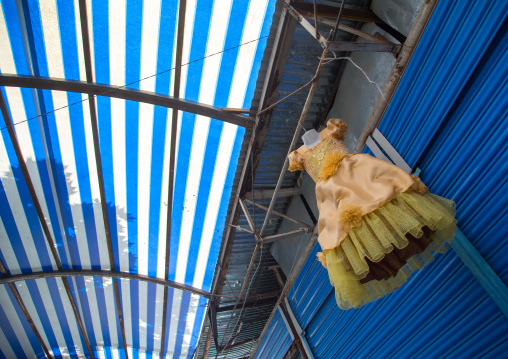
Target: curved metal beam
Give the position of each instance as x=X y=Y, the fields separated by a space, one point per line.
x=125 y=93
x=103 y=273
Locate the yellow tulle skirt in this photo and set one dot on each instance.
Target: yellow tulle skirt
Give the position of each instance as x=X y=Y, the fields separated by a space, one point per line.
x=380 y=232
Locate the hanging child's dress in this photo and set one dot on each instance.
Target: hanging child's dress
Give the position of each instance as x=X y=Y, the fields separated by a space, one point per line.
x=377 y=224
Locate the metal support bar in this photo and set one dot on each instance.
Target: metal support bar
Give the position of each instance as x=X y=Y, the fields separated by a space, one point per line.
x=98 y=162
x=301 y=334
x=333 y=34
x=285 y=235
x=482 y=271
x=249 y=304
x=354 y=31
x=275 y=270
x=306 y=24
x=125 y=94
x=241 y=229
x=331 y=99
x=238 y=344
x=28 y=317
x=390 y=151
x=263 y=296
x=307 y=9
x=308 y=209
x=292 y=329
x=289 y=284
x=268 y=193
x=394 y=33
x=40 y=214
x=397 y=71
x=249 y=219
x=292 y=351
x=249 y=269
x=282 y=215
x=235 y=110
x=363 y=47
x=306 y=107
x=376 y=150
x=172 y=160
x=315 y=19
x=212 y=315
x=103 y=273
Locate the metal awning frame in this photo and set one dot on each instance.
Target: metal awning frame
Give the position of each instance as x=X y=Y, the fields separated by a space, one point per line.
x=93 y=89
x=96 y=89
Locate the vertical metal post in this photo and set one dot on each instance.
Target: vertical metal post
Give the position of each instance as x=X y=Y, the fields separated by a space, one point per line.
x=40 y=214
x=15 y=292
x=295 y=139
x=289 y=284
x=172 y=161
x=98 y=161
x=398 y=69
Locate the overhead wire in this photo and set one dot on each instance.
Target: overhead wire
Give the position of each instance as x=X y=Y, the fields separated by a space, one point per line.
x=133 y=82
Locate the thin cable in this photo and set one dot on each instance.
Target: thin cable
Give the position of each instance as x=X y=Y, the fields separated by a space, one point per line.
x=248 y=325
x=227 y=281
x=288 y=96
x=359 y=68
x=131 y=83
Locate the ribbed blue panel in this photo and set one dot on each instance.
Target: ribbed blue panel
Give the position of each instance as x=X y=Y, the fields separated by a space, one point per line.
x=449 y=118
x=277 y=340
x=465 y=158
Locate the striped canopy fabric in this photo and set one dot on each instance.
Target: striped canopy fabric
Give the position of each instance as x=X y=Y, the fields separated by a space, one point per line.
x=132 y=45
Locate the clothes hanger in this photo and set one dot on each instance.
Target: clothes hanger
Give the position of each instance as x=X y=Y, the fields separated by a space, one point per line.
x=311 y=138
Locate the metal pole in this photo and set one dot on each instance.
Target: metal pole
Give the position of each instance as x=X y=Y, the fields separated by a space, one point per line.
x=338 y=21
x=289 y=284
x=97 y=89
x=282 y=215
x=174 y=124
x=15 y=292
x=40 y=215
x=397 y=71
x=98 y=162
x=103 y=273
x=295 y=139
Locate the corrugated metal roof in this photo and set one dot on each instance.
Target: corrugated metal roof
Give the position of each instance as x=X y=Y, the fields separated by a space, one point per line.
x=448 y=117
x=299 y=68
x=130 y=43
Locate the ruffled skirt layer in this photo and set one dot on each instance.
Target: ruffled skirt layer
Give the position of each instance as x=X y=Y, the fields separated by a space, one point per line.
x=391 y=242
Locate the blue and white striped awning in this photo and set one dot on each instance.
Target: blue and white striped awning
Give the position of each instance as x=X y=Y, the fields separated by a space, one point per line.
x=130 y=42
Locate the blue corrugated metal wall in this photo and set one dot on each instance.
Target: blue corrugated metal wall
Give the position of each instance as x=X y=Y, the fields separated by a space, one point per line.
x=449 y=118
x=277 y=341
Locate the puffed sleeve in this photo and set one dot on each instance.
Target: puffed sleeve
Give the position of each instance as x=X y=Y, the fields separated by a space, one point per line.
x=337 y=128
x=295 y=162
